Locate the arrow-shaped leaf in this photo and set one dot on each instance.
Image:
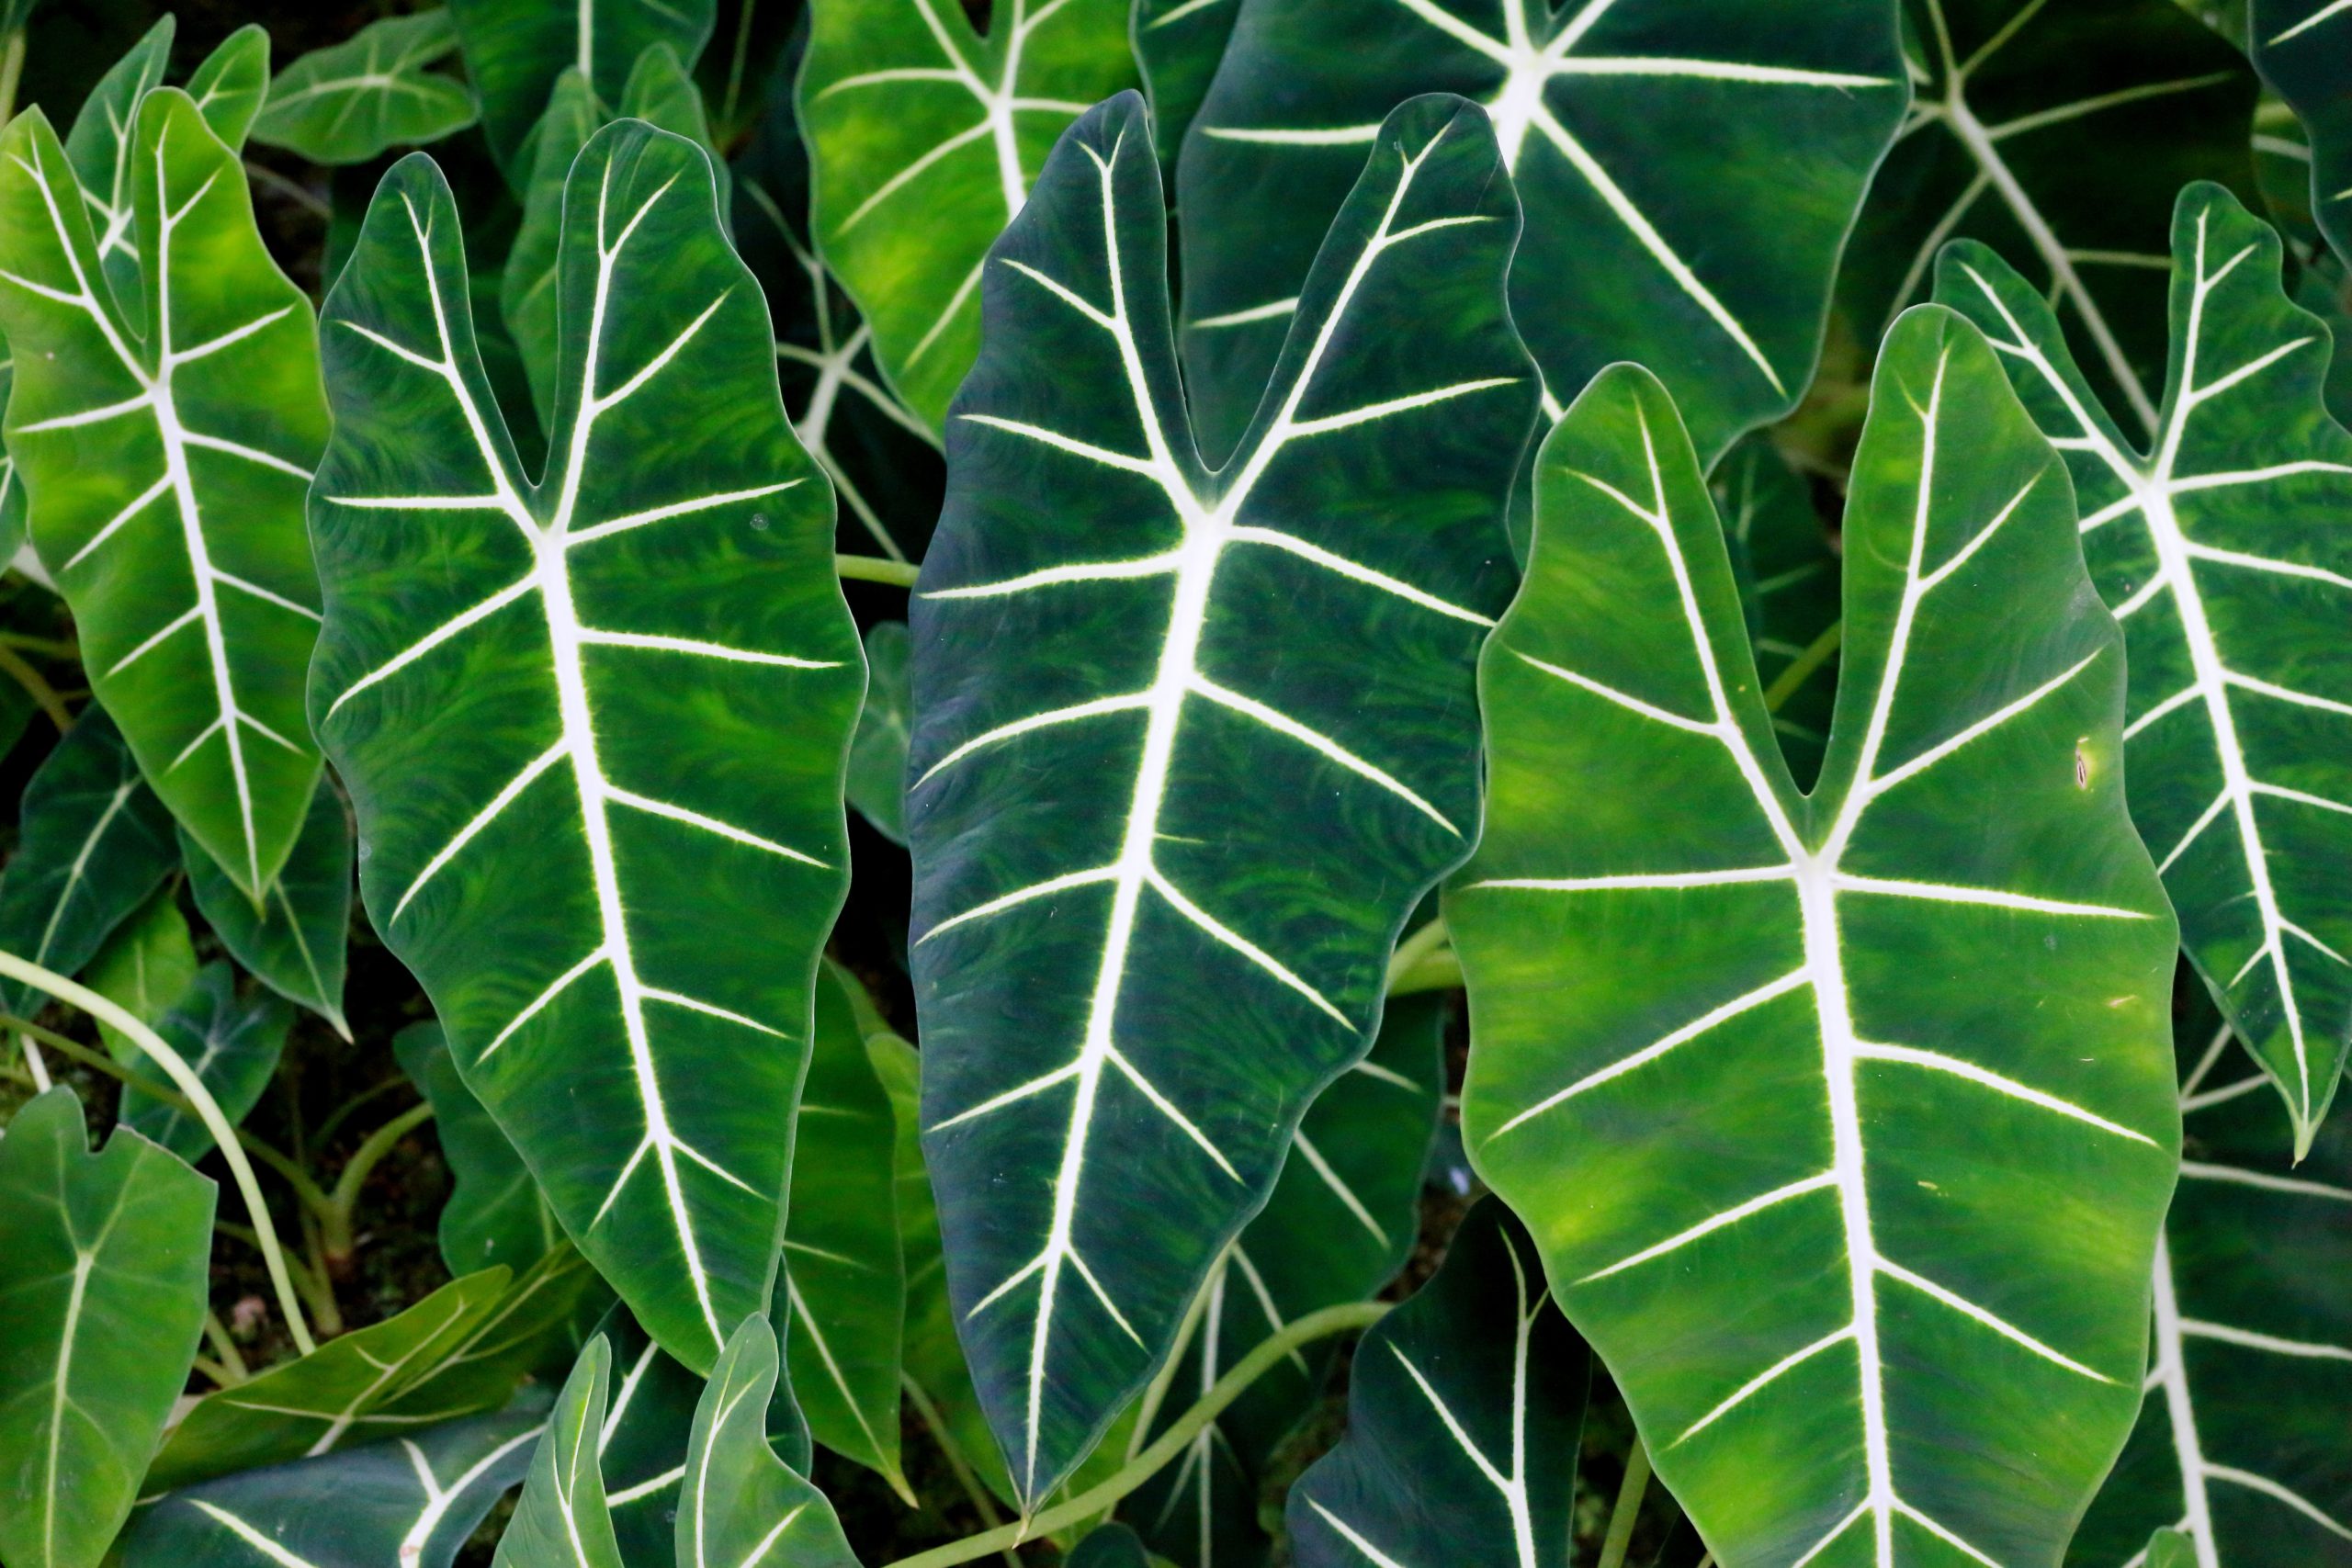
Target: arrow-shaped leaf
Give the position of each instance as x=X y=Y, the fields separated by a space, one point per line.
x=167 y=467
x=924 y=135
x=516 y=50
x=2300 y=47
x=408 y=1503
x=1190 y=742
x=1464 y=1410
x=103 y=1269
x=2241 y=1436
x=1844 y=1120
x=2058 y=134
x=562 y=1518
x=739 y=1502
x=1690 y=171
x=233 y=1046
x=593 y=726
x=347 y=103
x=2225 y=546
x=296 y=943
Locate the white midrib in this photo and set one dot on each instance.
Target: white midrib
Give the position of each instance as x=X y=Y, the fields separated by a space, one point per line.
x=2172 y=1374
x=81 y=865
x=439 y=1499
x=1206 y=531
x=1001 y=128
x=68 y=1332
x=586 y=59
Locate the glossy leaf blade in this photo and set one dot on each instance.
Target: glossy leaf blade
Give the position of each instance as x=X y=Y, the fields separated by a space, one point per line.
x=93 y=843
x=562 y=1518
x=1844 y=1120
x=1190 y=743
x=1464 y=1410
x=516 y=50
x=167 y=467
x=413 y=1502
x=1688 y=170
x=2224 y=545
x=347 y=103
x=557 y=706
x=298 y=942
x=739 y=1502
x=232 y=1044
x=2058 y=134
x=103 y=1275
x=231 y=83
x=925 y=138
x=2241 y=1436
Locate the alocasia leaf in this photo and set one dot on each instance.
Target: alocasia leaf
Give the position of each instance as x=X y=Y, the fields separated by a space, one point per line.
x=145 y=968
x=233 y=1045
x=1787 y=572
x=296 y=943
x=593 y=725
x=1845 y=1120
x=2057 y=134
x=347 y=103
x=230 y=85
x=1191 y=742
x=1340 y=1224
x=408 y=1503
x=459 y=1351
x=658 y=92
x=1690 y=169
x=495 y=1213
x=739 y=1502
x=94 y=842
x=2241 y=1436
x=642 y=1442
x=2224 y=545
x=877 y=755
x=1466 y=1406
x=1113 y=1546
x=1178 y=44
x=167 y=467
x=924 y=135
x=2300 y=48
x=516 y=49
x=103 y=1275
x=842 y=1274
x=562 y=1519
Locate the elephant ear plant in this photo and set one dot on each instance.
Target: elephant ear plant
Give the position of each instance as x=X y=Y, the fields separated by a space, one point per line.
x=1176 y=784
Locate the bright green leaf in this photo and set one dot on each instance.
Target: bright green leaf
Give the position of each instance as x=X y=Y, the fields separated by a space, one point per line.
x=1340 y=1222
x=296 y=943
x=104 y=1267
x=660 y=93
x=2241 y=1441
x=562 y=1518
x=459 y=1351
x=926 y=136
x=495 y=1213
x=99 y=148
x=232 y=1044
x=2057 y=134
x=2170 y=1548
x=643 y=1454
x=94 y=842
x=1844 y=1120
x=741 y=1503
x=1787 y=572
x=2303 y=48
x=167 y=469
x=1139 y=956
x=1464 y=1410
x=1689 y=173
x=842 y=1268
x=514 y=49
x=229 y=85
x=877 y=755
x=145 y=968
x=412 y=1503
x=347 y=103
x=2226 y=548
x=558 y=707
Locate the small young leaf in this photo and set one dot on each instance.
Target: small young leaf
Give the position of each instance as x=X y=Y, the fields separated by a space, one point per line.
x=347 y=103
x=296 y=944
x=741 y=1503
x=232 y=1044
x=103 y=1275
x=562 y=1518
x=643 y=1452
x=877 y=756
x=145 y=968
x=229 y=85
x=94 y=842
x=515 y=48
x=1465 y=1411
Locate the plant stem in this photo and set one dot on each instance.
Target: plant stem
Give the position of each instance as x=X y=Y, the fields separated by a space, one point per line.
x=874 y=568
x=208 y=1110
x=1413 y=949
x=225 y=1348
x=36 y=685
x=1440 y=971
x=11 y=67
x=1171 y=1443
x=733 y=99
x=1800 y=669
x=48 y=647
x=1628 y=1507
x=341 y=1113
x=958 y=1465
x=334 y=1213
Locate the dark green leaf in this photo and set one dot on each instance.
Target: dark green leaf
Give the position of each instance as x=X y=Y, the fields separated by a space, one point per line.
x=1178 y=44
x=2305 y=51
x=1689 y=173
x=644 y=1435
x=347 y=103
x=877 y=755
x=296 y=943
x=516 y=49
x=102 y=1272
x=233 y=1046
x=1465 y=1411
x=2226 y=548
x=145 y=968
x=95 y=842
x=1844 y=1120
x=1138 y=956
x=1787 y=572
x=594 y=726
x=1113 y=1546
x=495 y=1213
